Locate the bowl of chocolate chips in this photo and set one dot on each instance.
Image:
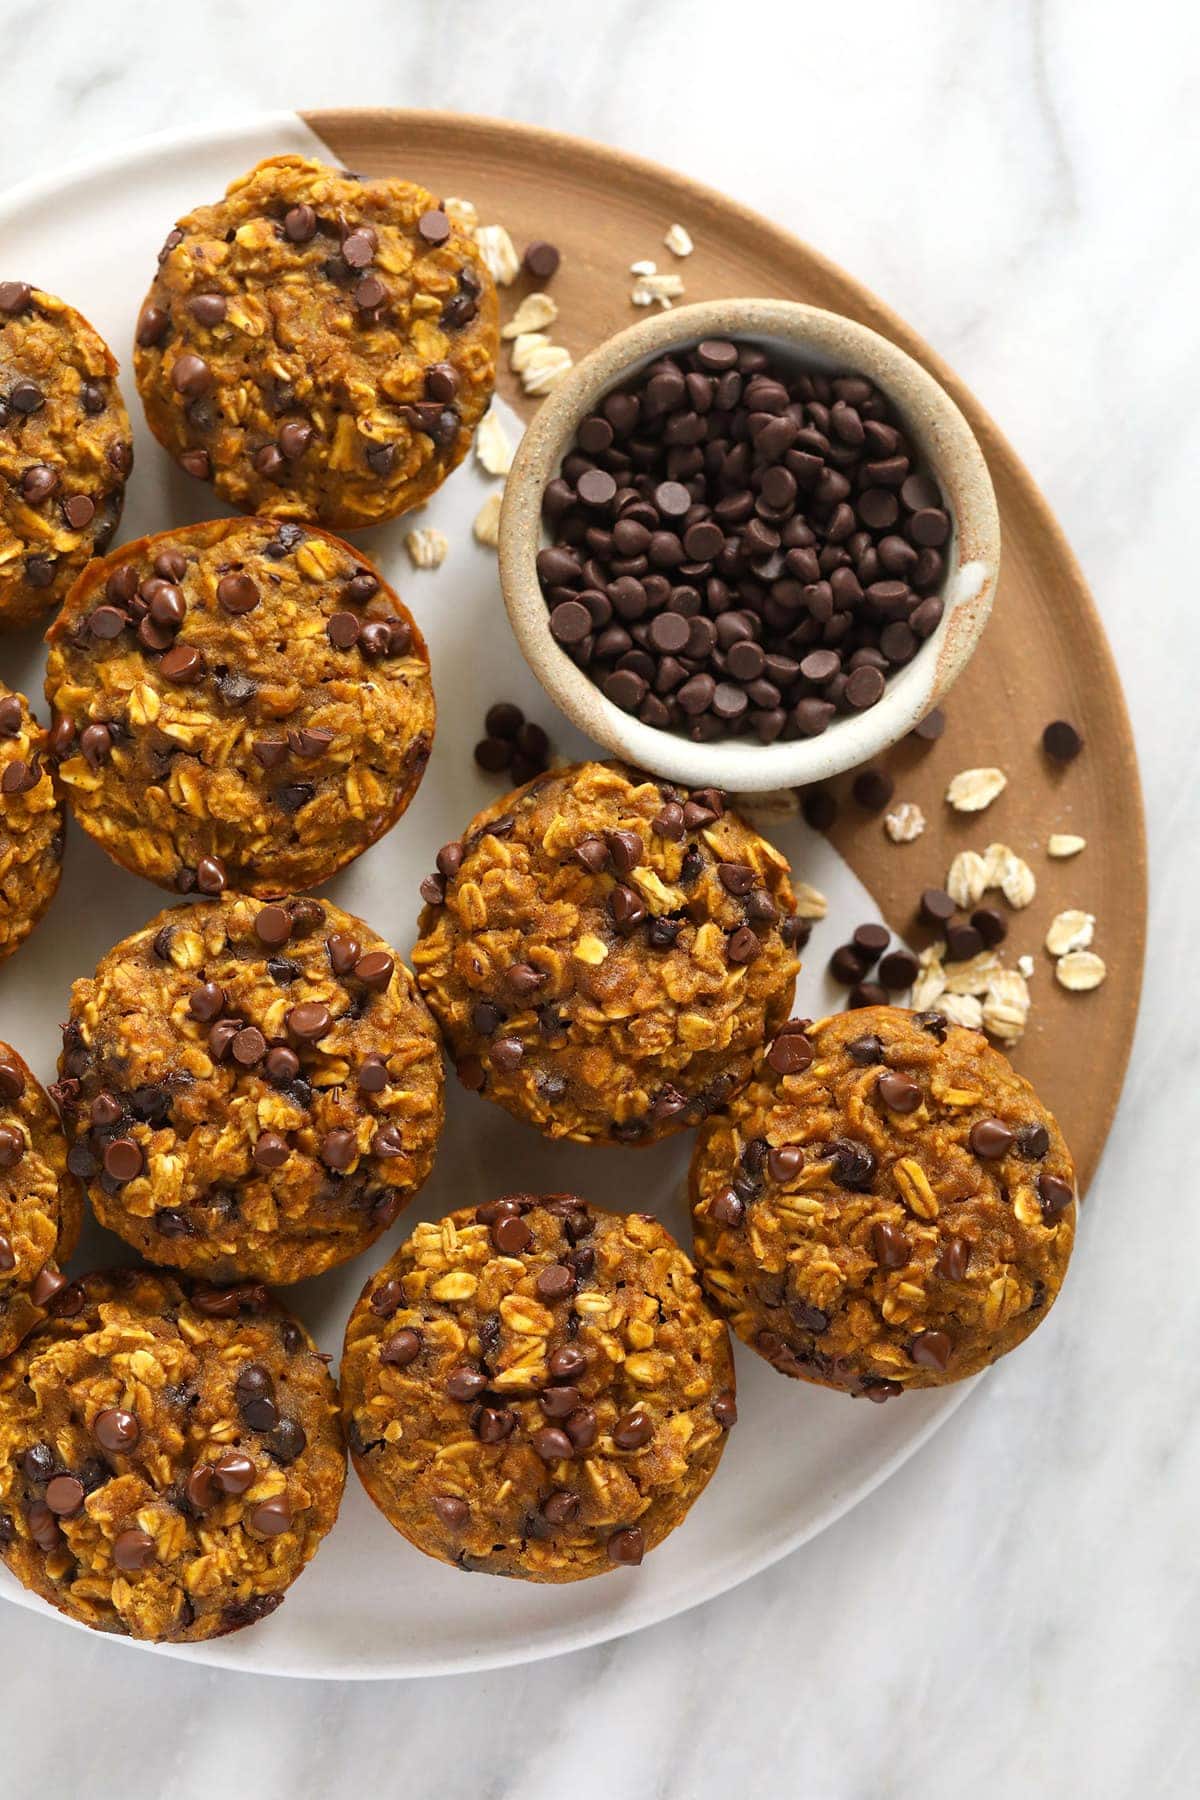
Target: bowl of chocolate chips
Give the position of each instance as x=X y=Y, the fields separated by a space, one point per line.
x=748 y=544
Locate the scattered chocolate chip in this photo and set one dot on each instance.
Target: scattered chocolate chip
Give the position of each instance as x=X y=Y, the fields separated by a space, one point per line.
x=541 y=259
x=873 y=789
x=930 y=728
x=819 y=808
x=898 y=970
x=936 y=907
x=338 y=1150
x=962 y=943
x=1062 y=741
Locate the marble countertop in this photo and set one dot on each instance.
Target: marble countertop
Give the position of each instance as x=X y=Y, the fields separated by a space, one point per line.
x=1014 y=1613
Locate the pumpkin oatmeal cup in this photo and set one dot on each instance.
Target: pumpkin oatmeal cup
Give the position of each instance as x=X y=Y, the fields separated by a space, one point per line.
x=250 y=1090
x=237 y=704
x=31 y=822
x=65 y=450
x=318 y=346
x=605 y=953
x=536 y=1388
x=887 y=1205
x=170 y=1457
x=41 y=1202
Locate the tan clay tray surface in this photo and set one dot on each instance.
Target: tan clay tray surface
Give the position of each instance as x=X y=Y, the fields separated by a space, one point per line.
x=1043 y=656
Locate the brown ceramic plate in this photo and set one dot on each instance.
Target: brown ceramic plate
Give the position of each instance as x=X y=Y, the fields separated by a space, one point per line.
x=1044 y=654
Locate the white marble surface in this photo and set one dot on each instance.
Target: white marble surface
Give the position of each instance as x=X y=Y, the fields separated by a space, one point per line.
x=1015 y=1612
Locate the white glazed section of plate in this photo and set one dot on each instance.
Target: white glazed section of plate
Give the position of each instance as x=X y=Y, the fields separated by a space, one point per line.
x=370 y=1606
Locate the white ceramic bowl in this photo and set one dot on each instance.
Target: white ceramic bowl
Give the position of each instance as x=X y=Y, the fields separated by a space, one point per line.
x=801 y=337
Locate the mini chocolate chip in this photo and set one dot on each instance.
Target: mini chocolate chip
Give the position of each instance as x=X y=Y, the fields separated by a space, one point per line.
x=1055 y=1195
x=954 y=1259
x=991 y=1139
x=892 y=1249
x=402 y=1348
x=65 y=1496
x=931 y=1350
x=898 y=1092
x=627 y=1547
x=272 y=1517
x=123 y=1159
x=727 y=1209
x=338 y=1150
x=541 y=259
x=1062 y=741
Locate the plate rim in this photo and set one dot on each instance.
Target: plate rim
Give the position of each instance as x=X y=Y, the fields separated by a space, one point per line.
x=542 y=140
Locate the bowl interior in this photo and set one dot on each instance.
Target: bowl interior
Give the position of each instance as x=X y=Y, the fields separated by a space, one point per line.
x=944 y=446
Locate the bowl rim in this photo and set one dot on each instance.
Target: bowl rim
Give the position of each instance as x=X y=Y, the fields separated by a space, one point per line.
x=948 y=448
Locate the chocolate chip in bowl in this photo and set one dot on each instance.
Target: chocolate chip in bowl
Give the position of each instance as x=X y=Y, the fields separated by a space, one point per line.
x=748 y=543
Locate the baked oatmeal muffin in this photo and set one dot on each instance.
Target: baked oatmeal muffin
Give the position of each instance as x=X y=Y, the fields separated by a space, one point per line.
x=318 y=346
x=65 y=450
x=605 y=953
x=31 y=822
x=251 y=1090
x=886 y=1206
x=170 y=1457
x=237 y=704
x=536 y=1388
x=41 y=1203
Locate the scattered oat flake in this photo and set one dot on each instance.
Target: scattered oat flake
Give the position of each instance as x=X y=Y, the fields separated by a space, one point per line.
x=973 y=789
x=1065 y=843
x=534 y=311
x=526 y=345
x=772 y=803
x=497 y=251
x=492 y=446
x=463 y=212
x=487 y=520
x=1026 y=965
x=1006 y=1006
x=643 y=267
x=967 y=880
x=678 y=240
x=1017 y=882
x=1080 y=970
x=544 y=368
x=905 y=822
x=930 y=984
x=995 y=859
x=974 y=976
x=810 y=902
x=660 y=290
x=961 y=1009
x=1070 y=930
x=426 y=547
